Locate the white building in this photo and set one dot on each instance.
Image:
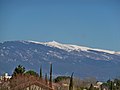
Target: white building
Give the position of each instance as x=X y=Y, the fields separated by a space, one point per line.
x=5 y=77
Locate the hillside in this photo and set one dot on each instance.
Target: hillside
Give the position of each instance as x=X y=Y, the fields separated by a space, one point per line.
x=66 y=58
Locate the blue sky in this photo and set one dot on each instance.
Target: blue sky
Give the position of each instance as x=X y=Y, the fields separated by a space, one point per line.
x=93 y=23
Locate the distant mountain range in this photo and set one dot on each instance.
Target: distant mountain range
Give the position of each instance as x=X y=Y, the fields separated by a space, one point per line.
x=66 y=58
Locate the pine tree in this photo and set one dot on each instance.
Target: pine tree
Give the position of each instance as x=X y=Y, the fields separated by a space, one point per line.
x=50 y=81
x=19 y=70
x=41 y=72
x=71 y=82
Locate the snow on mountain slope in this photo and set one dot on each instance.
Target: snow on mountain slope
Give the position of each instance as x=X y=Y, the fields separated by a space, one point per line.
x=68 y=58
x=69 y=47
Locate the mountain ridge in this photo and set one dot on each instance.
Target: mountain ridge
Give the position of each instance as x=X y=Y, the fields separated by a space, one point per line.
x=72 y=47
x=84 y=62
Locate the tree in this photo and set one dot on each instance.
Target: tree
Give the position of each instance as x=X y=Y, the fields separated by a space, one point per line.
x=111 y=85
x=31 y=72
x=117 y=84
x=61 y=78
x=41 y=72
x=19 y=70
x=50 y=81
x=46 y=80
x=71 y=82
x=91 y=87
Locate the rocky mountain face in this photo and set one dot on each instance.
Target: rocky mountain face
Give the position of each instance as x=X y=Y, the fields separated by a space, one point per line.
x=66 y=58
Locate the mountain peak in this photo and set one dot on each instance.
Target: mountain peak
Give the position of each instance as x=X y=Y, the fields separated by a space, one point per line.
x=53 y=42
x=70 y=47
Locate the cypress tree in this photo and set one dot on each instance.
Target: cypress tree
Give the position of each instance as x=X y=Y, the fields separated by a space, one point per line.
x=91 y=87
x=50 y=81
x=41 y=72
x=111 y=85
x=71 y=82
x=46 y=80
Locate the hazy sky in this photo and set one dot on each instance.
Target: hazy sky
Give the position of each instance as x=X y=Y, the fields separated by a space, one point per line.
x=93 y=23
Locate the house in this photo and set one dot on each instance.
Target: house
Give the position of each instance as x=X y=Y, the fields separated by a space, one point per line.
x=5 y=77
x=28 y=82
x=98 y=85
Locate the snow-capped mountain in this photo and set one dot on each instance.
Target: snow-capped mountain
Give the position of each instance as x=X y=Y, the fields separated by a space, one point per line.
x=69 y=47
x=66 y=58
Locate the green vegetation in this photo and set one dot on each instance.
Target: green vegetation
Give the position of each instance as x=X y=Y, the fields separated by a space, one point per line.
x=46 y=80
x=61 y=78
x=41 y=72
x=19 y=70
x=91 y=87
x=112 y=84
x=20 y=75
x=50 y=84
x=71 y=82
x=31 y=72
x=63 y=82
